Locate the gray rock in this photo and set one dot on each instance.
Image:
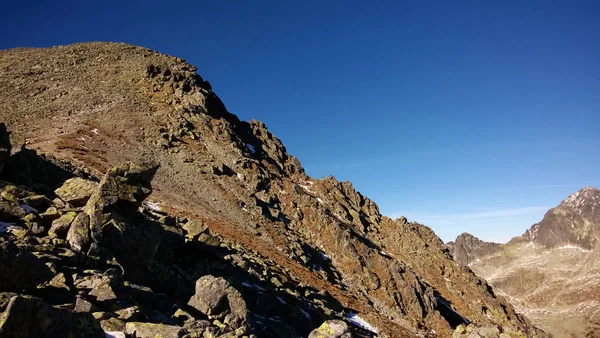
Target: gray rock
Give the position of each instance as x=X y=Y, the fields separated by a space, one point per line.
x=33 y=317
x=216 y=298
x=76 y=191
x=151 y=330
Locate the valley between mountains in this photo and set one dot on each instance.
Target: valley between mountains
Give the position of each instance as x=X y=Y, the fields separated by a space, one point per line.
x=551 y=273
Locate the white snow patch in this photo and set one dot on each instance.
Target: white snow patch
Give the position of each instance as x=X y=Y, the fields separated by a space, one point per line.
x=447 y=279
x=251 y=148
x=385 y=254
x=358 y=321
x=320 y=200
x=95 y=131
x=254 y=286
x=28 y=209
x=114 y=334
x=4 y=227
x=82 y=139
x=572 y=247
x=306 y=314
x=152 y=206
x=306 y=188
x=281 y=300
x=324 y=256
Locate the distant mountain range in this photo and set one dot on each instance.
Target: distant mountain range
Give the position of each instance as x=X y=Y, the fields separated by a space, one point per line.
x=551 y=273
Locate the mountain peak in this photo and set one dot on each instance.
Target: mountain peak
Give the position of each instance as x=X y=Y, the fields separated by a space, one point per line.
x=468 y=248
x=585 y=196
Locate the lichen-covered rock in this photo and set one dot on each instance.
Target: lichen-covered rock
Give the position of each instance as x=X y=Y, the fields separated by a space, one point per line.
x=79 y=232
x=331 y=329
x=33 y=317
x=121 y=191
x=76 y=191
x=216 y=298
x=151 y=330
x=60 y=226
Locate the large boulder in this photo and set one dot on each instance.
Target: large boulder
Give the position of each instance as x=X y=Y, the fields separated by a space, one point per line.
x=20 y=270
x=120 y=193
x=5 y=146
x=332 y=329
x=216 y=298
x=76 y=191
x=33 y=317
x=118 y=196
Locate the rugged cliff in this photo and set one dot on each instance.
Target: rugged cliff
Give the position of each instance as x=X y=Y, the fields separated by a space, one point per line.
x=215 y=229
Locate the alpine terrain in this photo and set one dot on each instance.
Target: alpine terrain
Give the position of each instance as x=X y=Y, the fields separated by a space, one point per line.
x=552 y=272
x=132 y=203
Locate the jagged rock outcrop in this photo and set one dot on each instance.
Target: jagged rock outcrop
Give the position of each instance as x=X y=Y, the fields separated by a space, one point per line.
x=549 y=273
x=228 y=201
x=467 y=248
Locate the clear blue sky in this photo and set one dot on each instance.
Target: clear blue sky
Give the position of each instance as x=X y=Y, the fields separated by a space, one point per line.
x=465 y=115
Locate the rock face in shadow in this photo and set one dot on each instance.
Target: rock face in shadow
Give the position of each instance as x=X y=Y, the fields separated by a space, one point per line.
x=227 y=204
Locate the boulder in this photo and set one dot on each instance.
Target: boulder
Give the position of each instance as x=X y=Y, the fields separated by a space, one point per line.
x=61 y=225
x=332 y=329
x=33 y=317
x=79 y=232
x=151 y=330
x=216 y=298
x=119 y=194
x=76 y=191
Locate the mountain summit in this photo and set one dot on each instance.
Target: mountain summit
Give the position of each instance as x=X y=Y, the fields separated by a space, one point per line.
x=138 y=198
x=575 y=221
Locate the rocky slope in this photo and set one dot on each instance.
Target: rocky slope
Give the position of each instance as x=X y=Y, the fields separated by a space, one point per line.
x=551 y=272
x=214 y=231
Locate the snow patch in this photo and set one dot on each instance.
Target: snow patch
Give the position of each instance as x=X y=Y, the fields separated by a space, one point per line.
x=95 y=131
x=358 y=321
x=4 y=227
x=253 y=286
x=306 y=314
x=385 y=254
x=324 y=256
x=281 y=300
x=251 y=148
x=320 y=200
x=28 y=209
x=306 y=188
x=152 y=206
x=574 y=247
x=114 y=334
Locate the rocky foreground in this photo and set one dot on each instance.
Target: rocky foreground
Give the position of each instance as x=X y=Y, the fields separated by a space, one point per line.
x=139 y=206
x=550 y=273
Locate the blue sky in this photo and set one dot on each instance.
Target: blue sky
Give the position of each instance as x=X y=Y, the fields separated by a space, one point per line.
x=471 y=116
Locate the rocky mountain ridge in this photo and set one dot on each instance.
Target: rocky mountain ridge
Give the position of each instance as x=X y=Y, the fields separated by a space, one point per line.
x=550 y=273
x=163 y=211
